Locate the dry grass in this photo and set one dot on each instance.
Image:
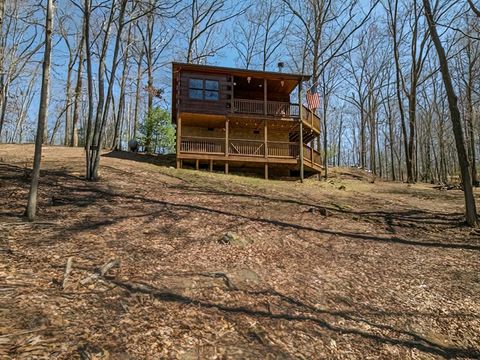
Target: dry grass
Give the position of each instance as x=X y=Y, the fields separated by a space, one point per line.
x=391 y=272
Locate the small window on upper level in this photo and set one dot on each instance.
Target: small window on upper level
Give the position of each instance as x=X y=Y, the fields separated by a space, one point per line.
x=200 y=89
x=195 y=89
x=211 y=90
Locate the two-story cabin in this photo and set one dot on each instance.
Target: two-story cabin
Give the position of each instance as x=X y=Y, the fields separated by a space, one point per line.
x=243 y=119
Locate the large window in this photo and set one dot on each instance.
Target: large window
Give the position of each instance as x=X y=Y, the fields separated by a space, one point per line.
x=200 y=89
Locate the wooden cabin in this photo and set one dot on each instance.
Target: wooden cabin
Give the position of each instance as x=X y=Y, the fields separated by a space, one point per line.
x=246 y=119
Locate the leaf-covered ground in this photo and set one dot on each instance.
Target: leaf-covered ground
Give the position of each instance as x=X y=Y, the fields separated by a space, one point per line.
x=344 y=269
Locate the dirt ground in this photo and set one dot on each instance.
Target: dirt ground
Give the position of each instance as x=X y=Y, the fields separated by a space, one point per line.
x=344 y=269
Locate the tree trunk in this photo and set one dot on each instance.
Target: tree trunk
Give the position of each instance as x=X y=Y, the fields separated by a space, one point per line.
x=99 y=133
x=470 y=206
x=137 y=94
x=42 y=114
x=78 y=93
x=2 y=85
x=117 y=136
x=67 y=100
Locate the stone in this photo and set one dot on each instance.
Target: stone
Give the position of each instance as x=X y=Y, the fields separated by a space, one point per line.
x=243 y=279
x=234 y=239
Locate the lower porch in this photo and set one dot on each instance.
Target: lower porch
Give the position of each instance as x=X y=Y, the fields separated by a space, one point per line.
x=245 y=143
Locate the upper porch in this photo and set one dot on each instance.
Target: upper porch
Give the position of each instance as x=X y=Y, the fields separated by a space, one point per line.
x=239 y=93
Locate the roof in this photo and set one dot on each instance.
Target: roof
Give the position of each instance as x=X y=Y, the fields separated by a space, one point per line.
x=239 y=72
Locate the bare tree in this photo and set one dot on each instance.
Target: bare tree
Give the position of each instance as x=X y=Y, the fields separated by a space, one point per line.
x=202 y=25
x=470 y=207
x=42 y=113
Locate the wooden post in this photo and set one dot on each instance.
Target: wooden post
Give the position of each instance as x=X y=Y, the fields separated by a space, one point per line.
x=211 y=165
x=226 y=137
x=197 y=164
x=179 y=140
x=266 y=171
x=232 y=110
x=265 y=136
x=226 y=167
x=300 y=111
x=265 y=103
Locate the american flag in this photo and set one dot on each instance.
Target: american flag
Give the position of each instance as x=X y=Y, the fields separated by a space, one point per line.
x=313 y=100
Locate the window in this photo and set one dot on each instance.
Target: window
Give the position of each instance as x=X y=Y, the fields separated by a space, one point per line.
x=203 y=89
x=211 y=90
x=195 y=89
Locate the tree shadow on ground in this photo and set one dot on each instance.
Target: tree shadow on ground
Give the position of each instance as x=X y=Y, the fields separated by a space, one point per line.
x=91 y=193
x=163 y=160
x=198 y=208
x=408 y=218
x=404 y=338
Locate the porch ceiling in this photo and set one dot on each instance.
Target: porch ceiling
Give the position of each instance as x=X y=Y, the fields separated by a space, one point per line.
x=273 y=85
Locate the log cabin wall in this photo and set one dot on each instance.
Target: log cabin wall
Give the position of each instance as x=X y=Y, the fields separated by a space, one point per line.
x=203 y=131
x=235 y=133
x=220 y=106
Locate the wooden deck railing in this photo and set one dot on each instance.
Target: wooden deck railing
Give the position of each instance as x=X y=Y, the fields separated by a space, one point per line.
x=310 y=118
x=243 y=106
x=246 y=147
x=276 y=109
x=312 y=155
x=283 y=149
x=202 y=145
x=257 y=107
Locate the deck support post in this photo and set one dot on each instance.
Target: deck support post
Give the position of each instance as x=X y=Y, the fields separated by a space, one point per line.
x=265 y=136
x=266 y=171
x=226 y=137
x=197 y=164
x=300 y=113
x=210 y=167
x=232 y=102
x=179 y=140
x=265 y=100
x=226 y=168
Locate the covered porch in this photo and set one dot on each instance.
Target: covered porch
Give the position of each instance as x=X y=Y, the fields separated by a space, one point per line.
x=233 y=139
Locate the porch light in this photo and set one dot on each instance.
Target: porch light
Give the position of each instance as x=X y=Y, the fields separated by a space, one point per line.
x=249 y=79
x=282 y=83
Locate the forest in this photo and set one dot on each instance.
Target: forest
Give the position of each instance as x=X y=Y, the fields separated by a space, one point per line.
x=107 y=253
x=384 y=105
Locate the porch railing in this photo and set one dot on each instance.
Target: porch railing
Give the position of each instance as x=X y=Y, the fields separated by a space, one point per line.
x=257 y=107
x=283 y=149
x=312 y=155
x=246 y=147
x=276 y=109
x=196 y=144
x=310 y=118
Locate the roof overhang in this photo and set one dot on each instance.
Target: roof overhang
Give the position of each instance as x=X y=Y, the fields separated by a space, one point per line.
x=269 y=75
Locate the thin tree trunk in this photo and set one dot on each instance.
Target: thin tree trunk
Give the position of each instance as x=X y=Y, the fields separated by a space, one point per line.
x=2 y=86
x=98 y=138
x=42 y=114
x=470 y=206
x=117 y=138
x=88 y=134
x=68 y=103
x=137 y=94
x=78 y=92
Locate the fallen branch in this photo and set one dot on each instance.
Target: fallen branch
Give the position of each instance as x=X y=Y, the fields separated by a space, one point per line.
x=101 y=271
x=68 y=270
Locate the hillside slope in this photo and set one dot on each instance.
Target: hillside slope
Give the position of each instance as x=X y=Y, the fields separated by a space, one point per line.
x=221 y=266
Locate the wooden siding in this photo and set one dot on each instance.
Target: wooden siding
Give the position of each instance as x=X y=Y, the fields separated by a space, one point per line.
x=205 y=106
